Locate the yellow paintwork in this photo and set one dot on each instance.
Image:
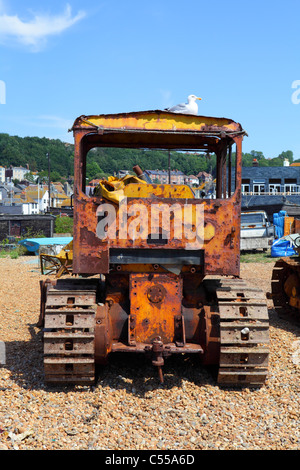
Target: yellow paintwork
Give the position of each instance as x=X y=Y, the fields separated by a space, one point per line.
x=66 y=253
x=114 y=188
x=159 y=190
x=209 y=232
x=156 y=120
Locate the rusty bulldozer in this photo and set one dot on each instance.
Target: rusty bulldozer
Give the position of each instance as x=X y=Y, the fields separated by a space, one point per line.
x=158 y=268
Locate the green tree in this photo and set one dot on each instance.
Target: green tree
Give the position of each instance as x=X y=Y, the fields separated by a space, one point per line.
x=288 y=154
x=92 y=169
x=64 y=225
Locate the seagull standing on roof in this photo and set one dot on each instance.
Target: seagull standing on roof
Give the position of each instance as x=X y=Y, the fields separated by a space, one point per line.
x=191 y=107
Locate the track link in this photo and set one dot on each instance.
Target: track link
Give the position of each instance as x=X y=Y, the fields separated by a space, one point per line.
x=244 y=333
x=69 y=332
x=282 y=270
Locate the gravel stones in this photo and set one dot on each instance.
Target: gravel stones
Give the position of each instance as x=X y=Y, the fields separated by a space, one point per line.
x=128 y=409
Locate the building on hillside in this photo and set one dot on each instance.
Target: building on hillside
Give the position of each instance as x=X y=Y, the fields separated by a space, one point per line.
x=34 y=198
x=204 y=177
x=68 y=189
x=2 y=174
x=40 y=195
x=162 y=176
x=191 y=180
x=3 y=193
x=15 y=173
x=12 y=201
x=122 y=173
x=19 y=172
x=57 y=199
x=57 y=194
x=37 y=193
x=94 y=183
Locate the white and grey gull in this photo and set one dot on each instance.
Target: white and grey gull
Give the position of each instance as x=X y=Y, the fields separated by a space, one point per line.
x=191 y=107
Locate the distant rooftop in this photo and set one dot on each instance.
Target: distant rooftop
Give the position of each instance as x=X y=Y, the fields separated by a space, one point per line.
x=270 y=172
x=163 y=172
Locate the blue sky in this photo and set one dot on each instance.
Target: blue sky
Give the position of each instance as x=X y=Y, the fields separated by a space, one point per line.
x=59 y=60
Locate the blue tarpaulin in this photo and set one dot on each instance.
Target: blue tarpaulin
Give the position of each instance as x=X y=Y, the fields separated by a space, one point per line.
x=278 y=221
x=34 y=244
x=281 y=248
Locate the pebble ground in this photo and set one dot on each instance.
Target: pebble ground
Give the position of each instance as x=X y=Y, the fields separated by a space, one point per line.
x=128 y=409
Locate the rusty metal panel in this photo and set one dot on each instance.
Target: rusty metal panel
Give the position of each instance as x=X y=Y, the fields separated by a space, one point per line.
x=68 y=344
x=65 y=369
x=157 y=121
x=90 y=256
x=155 y=308
x=245 y=333
x=69 y=319
x=160 y=130
x=239 y=356
x=70 y=299
x=220 y=232
x=240 y=310
x=75 y=295
x=158 y=190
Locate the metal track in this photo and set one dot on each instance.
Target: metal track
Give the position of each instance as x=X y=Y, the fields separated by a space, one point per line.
x=69 y=332
x=282 y=270
x=244 y=333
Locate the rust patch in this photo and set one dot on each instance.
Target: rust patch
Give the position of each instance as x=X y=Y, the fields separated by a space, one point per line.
x=155 y=301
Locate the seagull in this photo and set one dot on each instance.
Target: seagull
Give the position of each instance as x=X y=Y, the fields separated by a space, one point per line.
x=191 y=107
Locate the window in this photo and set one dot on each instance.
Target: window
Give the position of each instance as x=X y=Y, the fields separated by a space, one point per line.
x=252 y=219
x=245 y=188
x=274 y=188
x=274 y=185
x=259 y=188
x=291 y=188
x=290 y=185
x=245 y=185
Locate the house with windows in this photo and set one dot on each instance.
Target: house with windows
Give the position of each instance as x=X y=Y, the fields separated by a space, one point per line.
x=270 y=180
x=191 y=180
x=2 y=174
x=19 y=172
x=40 y=195
x=162 y=176
x=271 y=189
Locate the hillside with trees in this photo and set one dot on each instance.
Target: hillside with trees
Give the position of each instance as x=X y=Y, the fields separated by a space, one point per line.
x=32 y=151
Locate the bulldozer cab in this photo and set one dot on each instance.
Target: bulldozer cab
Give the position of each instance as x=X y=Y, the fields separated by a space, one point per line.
x=138 y=222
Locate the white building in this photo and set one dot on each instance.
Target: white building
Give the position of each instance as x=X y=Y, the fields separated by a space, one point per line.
x=2 y=174
x=29 y=208
x=191 y=180
x=19 y=172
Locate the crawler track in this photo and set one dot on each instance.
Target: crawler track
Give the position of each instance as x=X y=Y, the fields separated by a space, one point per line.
x=244 y=332
x=281 y=272
x=69 y=331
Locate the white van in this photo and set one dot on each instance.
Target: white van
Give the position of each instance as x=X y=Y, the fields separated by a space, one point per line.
x=257 y=232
